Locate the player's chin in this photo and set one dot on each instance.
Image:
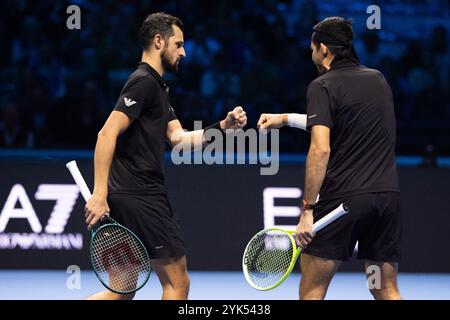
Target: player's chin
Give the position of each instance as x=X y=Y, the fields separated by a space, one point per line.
x=174 y=67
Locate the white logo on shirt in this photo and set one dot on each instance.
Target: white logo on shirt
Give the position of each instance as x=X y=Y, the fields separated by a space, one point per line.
x=128 y=102
x=313 y=116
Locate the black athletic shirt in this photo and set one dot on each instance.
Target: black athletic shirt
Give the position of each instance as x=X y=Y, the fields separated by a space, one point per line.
x=356 y=103
x=137 y=165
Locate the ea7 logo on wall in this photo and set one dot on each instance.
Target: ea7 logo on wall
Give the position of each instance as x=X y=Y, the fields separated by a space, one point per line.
x=48 y=236
x=271 y=211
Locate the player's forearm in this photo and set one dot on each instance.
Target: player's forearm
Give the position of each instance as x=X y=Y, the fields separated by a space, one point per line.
x=104 y=151
x=195 y=140
x=191 y=140
x=316 y=167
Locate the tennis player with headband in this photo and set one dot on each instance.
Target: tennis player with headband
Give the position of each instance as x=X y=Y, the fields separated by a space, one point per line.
x=129 y=154
x=351 y=160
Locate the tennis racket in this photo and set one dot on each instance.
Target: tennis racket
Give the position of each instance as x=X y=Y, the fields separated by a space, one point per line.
x=118 y=257
x=271 y=254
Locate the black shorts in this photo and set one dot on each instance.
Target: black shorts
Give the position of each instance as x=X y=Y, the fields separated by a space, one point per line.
x=373 y=221
x=152 y=219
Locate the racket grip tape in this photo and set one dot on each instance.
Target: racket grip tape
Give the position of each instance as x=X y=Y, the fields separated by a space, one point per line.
x=329 y=218
x=76 y=174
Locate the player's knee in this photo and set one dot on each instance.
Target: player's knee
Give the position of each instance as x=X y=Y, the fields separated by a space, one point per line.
x=181 y=283
x=184 y=283
x=128 y=296
x=311 y=290
x=119 y=296
x=386 y=293
x=315 y=294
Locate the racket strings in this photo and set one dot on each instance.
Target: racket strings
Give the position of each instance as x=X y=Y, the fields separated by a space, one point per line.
x=119 y=259
x=268 y=258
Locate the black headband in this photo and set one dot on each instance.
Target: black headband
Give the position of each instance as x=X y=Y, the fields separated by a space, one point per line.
x=329 y=39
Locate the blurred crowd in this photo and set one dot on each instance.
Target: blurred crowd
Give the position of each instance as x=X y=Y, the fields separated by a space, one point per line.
x=57 y=86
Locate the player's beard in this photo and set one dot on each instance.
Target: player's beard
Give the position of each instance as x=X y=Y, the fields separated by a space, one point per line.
x=166 y=64
x=320 y=68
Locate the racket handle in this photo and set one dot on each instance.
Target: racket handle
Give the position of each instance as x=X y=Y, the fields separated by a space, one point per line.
x=76 y=174
x=329 y=218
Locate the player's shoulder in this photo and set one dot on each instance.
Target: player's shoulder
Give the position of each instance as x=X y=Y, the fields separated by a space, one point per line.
x=373 y=75
x=328 y=78
x=317 y=84
x=142 y=79
x=370 y=70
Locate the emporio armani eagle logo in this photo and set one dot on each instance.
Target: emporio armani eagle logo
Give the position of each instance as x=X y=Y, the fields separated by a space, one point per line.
x=128 y=102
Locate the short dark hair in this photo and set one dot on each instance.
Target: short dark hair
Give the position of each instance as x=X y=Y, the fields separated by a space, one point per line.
x=335 y=33
x=157 y=23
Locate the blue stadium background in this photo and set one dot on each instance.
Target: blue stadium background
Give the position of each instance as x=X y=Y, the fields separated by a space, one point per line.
x=55 y=82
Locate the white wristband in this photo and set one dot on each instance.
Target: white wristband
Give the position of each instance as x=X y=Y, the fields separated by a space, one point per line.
x=297 y=120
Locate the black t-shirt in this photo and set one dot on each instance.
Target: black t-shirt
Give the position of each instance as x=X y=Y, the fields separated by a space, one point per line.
x=137 y=165
x=356 y=103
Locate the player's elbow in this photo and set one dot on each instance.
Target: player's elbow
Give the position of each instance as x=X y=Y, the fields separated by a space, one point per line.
x=176 y=141
x=182 y=138
x=102 y=134
x=177 y=137
x=106 y=133
x=321 y=152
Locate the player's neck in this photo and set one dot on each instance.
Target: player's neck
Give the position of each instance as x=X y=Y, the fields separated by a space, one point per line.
x=154 y=61
x=327 y=62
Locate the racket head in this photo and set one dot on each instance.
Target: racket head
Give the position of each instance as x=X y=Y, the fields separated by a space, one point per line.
x=119 y=258
x=269 y=258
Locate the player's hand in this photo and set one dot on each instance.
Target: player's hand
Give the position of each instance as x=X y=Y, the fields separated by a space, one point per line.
x=303 y=232
x=272 y=121
x=236 y=119
x=96 y=208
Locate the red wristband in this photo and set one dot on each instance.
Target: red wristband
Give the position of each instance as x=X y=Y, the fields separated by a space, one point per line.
x=308 y=206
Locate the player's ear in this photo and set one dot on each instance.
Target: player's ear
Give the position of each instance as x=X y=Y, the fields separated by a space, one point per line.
x=158 y=42
x=323 y=49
